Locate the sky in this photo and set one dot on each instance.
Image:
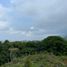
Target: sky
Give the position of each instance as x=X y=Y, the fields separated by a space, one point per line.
x=32 y=19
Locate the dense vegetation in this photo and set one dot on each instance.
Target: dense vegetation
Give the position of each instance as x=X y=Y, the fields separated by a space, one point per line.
x=43 y=59
x=53 y=44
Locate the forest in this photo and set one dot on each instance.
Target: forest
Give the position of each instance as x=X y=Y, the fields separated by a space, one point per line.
x=56 y=45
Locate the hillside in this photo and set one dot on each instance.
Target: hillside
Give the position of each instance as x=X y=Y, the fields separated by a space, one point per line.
x=49 y=52
x=39 y=60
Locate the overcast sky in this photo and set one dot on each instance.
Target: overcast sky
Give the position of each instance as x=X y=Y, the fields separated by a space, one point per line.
x=32 y=19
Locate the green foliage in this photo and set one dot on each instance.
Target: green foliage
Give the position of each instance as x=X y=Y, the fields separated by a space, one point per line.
x=52 y=44
x=4 y=53
x=55 y=44
x=38 y=60
x=27 y=62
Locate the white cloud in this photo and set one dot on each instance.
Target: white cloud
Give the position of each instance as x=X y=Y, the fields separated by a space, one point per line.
x=48 y=17
x=29 y=34
x=32 y=28
x=3 y=25
x=44 y=12
x=2 y=11
x=4 y=20
x=12 y=31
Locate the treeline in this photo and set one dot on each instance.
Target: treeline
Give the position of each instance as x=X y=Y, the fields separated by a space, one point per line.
x=52 y=44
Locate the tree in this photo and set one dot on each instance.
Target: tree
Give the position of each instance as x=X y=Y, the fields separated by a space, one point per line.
x=55 y=44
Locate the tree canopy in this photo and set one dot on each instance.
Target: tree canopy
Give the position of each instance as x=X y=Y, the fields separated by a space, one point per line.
x=52 y=44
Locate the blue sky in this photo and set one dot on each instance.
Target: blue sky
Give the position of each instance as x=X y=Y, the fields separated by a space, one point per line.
x=32 y=19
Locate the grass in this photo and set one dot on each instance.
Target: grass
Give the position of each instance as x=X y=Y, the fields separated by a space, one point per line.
x=39 y=60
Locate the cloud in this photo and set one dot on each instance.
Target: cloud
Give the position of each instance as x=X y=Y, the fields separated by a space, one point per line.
x=12 y=31
x=3 y=25
x=32 y=28
x=45 y=13
x=29 y=34
x=34 y=18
